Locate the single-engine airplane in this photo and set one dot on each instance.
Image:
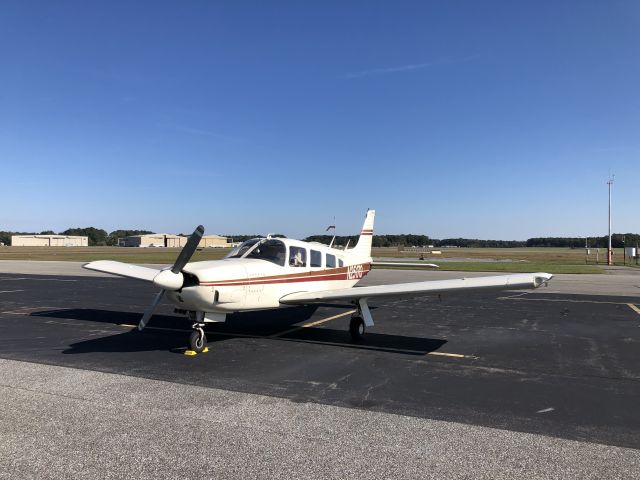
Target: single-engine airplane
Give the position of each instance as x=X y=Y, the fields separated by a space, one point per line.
x=268 y=273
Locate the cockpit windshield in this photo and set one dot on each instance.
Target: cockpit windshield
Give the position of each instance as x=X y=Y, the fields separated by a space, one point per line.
x=267 y=249
x=243 y=248
x=270 y=250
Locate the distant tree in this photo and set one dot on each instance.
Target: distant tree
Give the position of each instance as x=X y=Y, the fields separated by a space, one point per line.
x=5 y=237
x=47 y=232
x=625 y=240
x=96 y=236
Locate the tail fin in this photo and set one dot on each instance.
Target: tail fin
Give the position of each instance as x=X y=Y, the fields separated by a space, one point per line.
x=363 y=247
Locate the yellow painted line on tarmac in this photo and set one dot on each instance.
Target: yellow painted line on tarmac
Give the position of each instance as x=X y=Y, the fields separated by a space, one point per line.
x=562 y=300
x=634 y=308
x=319 y=322
x=313 y=324
x=30 y=310
x=567 y=300
x=452 y=355
x=362 y=346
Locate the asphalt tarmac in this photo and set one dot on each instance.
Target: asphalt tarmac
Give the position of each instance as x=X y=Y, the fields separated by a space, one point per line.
x=506 y=384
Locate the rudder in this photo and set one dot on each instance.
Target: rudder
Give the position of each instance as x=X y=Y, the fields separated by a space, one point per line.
x=363 y=247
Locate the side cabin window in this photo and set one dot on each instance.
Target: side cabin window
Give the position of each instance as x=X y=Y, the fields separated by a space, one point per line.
x=270 y=250
x=340 y=262
x=297 y=257
x=316 y=258
x=331 y=261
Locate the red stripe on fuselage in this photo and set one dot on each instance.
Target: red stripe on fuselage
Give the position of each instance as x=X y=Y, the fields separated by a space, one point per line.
x=342 y=273
x=338 y=276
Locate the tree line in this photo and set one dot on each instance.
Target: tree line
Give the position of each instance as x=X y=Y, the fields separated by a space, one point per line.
x=618 y=240
x=99 y=237
x=412 y=240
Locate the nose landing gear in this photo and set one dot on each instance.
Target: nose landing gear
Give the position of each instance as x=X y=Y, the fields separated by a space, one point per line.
x=197 y=339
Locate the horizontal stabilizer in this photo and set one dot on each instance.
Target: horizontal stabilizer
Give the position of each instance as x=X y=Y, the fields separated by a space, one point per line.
x=519 y=280
x=123 y=269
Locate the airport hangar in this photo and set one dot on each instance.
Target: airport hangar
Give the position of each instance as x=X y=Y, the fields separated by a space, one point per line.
x=49 y=241
x=170 y=240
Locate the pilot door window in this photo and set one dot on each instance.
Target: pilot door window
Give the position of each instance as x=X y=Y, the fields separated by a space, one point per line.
x=297 y=257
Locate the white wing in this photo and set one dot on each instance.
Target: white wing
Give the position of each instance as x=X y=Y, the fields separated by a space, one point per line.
x=123 y=269
x=520 y=280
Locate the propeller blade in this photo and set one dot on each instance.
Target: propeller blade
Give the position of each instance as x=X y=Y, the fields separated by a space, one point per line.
x=188 y=250
x=149 y=311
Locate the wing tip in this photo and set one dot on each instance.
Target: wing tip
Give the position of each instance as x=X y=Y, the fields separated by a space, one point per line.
x=541 y=279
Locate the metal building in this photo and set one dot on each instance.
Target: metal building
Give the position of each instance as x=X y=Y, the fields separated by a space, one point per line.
x=49 y=241
x=169 y=240
x=214 y=241
x=153 y=240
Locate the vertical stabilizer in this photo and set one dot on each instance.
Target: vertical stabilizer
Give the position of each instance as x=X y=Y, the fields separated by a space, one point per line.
x=363 y=247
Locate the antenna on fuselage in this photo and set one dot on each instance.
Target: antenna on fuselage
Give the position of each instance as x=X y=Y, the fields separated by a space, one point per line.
x=333 y=225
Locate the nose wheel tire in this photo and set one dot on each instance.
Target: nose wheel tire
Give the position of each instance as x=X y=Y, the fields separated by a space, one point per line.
x=197 y=340
x=356 y=329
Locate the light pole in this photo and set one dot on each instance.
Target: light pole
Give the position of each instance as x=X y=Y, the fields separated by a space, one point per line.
x=609 y=250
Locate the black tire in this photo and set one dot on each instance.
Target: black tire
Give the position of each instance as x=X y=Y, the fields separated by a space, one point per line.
x=194 y=342
x=356 y=329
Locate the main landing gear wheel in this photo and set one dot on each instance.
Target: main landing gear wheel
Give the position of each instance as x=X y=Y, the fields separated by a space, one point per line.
x=356 y=329
x=197 y=340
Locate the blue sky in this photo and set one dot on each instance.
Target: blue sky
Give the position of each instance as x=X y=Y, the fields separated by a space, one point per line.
x=491 y=119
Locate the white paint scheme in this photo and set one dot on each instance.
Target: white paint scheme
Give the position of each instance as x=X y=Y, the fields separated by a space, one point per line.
x=123 y=269
x=168 y=280
x=519 y=280
x=211 y=289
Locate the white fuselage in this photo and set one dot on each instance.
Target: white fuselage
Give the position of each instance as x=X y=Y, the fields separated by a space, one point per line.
x=246 y=283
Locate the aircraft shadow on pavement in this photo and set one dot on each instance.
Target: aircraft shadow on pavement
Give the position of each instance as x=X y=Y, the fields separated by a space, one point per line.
x=169 y=332
x=268 y=322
